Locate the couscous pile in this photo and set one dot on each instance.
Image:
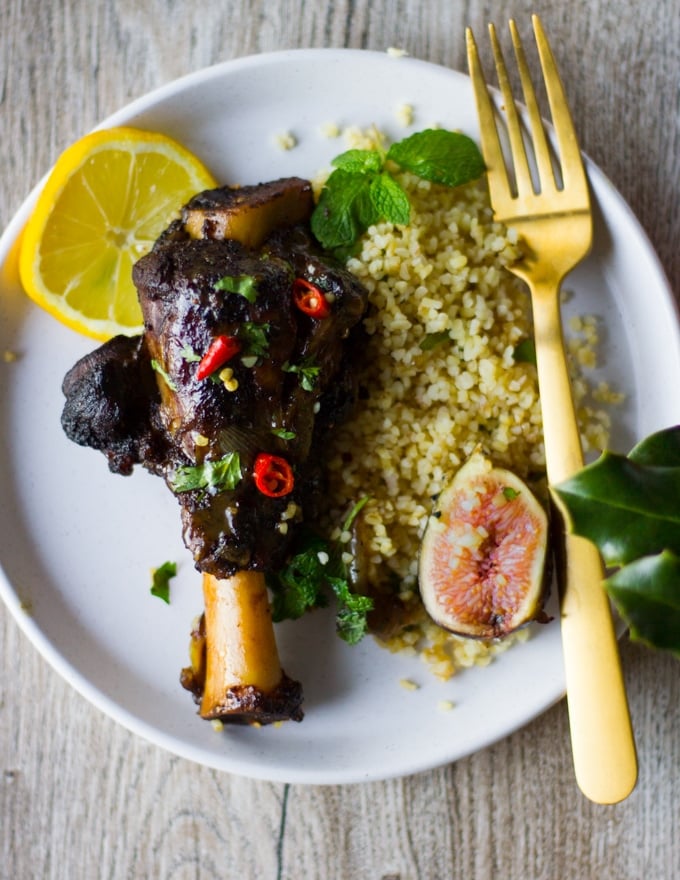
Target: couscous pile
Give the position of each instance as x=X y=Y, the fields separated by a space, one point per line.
x=441 y=377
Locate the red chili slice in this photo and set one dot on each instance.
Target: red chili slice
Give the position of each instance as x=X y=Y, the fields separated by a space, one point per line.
x=220 y=350
x=273 y=475
x=310 y=299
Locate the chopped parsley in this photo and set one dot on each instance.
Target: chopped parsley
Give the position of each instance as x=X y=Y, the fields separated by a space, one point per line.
x=307 y=371
x=161 y=372
x=302 y=584
x=188 y=354
x=284 y=433
x=221 y=475
x=254 y=338
x=509 y=493
x=160 y=580
x=525 y=352
x=245 y=285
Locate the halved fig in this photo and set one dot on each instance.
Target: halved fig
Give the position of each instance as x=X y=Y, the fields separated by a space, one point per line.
x=483 y=556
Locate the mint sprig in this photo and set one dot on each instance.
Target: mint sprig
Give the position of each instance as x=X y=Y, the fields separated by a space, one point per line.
x=362 y=191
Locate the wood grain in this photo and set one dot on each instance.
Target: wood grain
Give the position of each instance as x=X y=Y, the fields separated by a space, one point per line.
x=80 y=797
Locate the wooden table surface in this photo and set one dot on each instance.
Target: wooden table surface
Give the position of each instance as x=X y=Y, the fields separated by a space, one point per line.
x=80 y=797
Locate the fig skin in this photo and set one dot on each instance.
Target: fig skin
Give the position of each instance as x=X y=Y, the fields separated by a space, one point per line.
x=484 y=555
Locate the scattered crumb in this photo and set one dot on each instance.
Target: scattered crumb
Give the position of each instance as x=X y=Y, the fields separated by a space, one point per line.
x=395 y=52
x=603 y=393
x=217 y=725
x=330 y=130
x=445 y=705
x=9 y=356
x=26 y=605
x=405 y=114
x=408 y=684
x=286 y=140
x=277 y=724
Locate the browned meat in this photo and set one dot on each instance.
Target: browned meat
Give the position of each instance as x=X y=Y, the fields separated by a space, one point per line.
x=291 y=377
x=155 y=401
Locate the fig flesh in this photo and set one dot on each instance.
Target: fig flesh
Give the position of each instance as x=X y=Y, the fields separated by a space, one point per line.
x=483 y=557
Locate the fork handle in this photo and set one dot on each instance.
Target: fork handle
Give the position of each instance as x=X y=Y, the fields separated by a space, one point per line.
x=603 y=744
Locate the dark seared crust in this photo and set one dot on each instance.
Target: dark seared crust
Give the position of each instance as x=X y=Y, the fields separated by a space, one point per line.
x=245 y=704
x=112 y=405
x=117 y=403
x=249 y=705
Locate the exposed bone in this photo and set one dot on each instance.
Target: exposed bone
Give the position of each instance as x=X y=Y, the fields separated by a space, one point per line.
x=249 y=214
x=243 y=676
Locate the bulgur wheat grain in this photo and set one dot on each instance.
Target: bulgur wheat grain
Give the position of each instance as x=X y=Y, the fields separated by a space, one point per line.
x=425 y=408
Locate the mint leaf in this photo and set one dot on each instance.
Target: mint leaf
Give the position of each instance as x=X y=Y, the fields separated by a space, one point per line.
x=335 y=221
x=389 y=200
x=441 y=156
x=160 y=580
x=360 y=191
x=222 y=474
x=359 y=161
x=245 y=285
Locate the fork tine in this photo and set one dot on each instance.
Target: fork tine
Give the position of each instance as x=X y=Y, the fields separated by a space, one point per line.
x=544 y=166
x=523 y=183
x=573 y=173
x=497 y=177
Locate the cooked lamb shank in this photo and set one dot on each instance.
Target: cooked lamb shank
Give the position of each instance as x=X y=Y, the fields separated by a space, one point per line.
x=243 y=368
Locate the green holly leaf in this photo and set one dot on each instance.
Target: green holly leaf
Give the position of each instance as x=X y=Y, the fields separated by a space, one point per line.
x=661 y=449
x=647 y=595
x=629 y=510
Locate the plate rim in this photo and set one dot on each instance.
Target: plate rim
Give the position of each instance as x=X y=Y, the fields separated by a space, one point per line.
x=73 y=675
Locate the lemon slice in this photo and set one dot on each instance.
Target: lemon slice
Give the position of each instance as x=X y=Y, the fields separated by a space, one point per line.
x=107 y=199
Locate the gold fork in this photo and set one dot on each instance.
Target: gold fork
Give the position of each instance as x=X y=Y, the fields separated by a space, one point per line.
x=553 y=218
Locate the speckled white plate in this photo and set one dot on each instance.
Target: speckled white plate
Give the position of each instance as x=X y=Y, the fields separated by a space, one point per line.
x=76 y=543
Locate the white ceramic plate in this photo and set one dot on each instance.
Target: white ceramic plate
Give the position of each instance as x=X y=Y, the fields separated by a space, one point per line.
x=76 y=543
